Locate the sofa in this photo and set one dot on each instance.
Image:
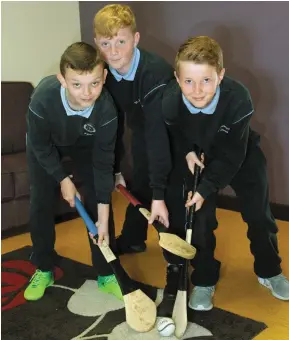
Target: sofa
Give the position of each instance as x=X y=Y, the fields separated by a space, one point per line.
x=14 y=175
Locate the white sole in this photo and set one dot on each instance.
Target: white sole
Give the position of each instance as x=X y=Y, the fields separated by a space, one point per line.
x=262 y=282
x=201 y=308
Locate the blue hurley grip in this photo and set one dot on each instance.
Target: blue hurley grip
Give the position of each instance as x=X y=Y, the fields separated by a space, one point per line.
x=87 y=220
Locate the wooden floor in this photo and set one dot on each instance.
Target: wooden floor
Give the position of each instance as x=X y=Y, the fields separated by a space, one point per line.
x=238 y=290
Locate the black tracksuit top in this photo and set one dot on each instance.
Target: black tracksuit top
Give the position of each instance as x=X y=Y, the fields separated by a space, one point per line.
x=223 y=136
x=49 y=127
x=139 y=102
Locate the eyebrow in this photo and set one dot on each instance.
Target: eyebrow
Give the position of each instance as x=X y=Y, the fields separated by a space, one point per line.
x=76 y=80
x=118 y=37
x=202 y=77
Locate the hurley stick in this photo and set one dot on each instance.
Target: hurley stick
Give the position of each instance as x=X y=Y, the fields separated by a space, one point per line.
x=140 y=310
x=172 y=243
x=180 y=307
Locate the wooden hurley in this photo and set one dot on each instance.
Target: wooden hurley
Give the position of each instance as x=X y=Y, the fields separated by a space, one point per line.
x=180 y=307
x=172 y=243
x=140 y=310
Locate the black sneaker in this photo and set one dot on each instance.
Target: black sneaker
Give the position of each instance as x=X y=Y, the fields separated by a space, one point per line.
x=124 y=248
x=165 y=308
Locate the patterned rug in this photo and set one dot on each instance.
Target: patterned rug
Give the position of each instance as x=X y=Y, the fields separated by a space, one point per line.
x=73 y=308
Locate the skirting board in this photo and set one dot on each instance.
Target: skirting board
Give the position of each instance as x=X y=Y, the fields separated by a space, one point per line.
x=25 y=227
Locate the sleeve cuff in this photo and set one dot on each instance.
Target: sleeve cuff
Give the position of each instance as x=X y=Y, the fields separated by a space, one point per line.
x=116 y=167
x=59 y=175
x=191 y=148
x=103 y=198
x=205 y=189
x=158 y=194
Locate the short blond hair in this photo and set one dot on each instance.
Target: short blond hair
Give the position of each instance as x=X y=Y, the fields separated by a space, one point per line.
x=113 y=17
x=200 y=50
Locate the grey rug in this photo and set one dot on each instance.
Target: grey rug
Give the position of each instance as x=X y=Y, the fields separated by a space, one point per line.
x=74 y=309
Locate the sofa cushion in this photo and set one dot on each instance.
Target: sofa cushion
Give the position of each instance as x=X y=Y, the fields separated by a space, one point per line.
x=7 y=187
x=15 y=97
x=14 y=213
x=14 y=163
x=16 y=166
x=21 y=184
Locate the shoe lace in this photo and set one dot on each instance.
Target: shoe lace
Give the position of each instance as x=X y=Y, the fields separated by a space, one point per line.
x=207 y=290
x=108 y=279
x=279 y=278
x=37 y=278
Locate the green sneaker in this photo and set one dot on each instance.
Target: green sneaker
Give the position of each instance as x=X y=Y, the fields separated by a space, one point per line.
x=38 y=283
x=108 y=284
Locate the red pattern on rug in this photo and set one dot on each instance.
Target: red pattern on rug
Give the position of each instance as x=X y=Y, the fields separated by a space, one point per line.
x=15 y=276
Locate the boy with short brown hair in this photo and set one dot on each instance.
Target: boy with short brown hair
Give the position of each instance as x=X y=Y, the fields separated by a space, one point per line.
x=70 y=114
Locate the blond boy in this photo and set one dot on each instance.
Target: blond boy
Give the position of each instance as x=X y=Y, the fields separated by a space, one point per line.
x=136 y=79
x=204 y=109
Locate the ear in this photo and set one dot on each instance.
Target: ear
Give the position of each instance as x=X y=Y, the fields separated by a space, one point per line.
x=176 y=76
x=221 y=75
x=61 y=80
x=104 y=75
x=136 y=39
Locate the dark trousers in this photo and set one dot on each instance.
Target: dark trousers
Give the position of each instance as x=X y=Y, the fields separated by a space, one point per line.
x=203 y=237
x=135 y=225
x=43 y=195
x=251 y=186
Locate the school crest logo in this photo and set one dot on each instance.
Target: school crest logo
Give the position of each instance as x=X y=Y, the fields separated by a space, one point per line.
x=89 y=128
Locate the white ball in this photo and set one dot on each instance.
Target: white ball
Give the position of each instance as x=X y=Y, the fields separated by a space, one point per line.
x=166 y=326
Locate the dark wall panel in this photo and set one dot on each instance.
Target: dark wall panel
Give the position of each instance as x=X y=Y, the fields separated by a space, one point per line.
x=254 y=37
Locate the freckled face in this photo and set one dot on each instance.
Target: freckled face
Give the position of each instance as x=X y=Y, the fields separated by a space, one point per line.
x=118 y=50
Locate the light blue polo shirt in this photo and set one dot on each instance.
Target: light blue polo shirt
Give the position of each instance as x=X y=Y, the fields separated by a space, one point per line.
x=209 y=109
x=130 y=75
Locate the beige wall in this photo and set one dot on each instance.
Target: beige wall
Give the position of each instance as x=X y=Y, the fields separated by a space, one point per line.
x=34 y=35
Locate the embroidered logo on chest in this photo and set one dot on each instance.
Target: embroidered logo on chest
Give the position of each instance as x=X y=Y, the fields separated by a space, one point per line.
x=89 y=128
